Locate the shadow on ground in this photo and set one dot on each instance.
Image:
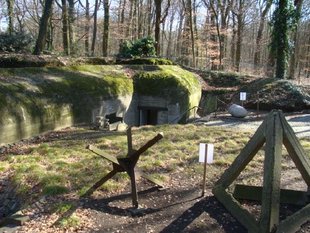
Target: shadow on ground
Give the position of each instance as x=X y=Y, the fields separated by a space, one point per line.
x=186 y=211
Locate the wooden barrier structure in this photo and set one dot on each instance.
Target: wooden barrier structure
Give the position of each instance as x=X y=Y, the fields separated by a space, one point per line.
x=274 y=131
x=126 y=164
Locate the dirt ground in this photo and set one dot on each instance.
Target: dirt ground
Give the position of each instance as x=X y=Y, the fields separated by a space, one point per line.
x=178 y=208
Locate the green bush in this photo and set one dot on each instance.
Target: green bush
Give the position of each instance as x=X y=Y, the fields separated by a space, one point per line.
x=125 y=49
x=16 y=42
x=144 y=47
x=145 y=61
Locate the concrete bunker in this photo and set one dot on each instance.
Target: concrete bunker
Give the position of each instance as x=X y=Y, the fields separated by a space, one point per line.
x=42 y=99
x=149 y=115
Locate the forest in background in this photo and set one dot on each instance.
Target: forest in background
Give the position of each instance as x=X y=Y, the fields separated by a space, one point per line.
x=231 y=35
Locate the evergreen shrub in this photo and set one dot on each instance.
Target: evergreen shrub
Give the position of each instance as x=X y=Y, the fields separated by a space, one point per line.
x=18 y=42
x=144 y=47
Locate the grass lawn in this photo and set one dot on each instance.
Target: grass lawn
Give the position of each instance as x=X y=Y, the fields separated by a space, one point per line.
x=59 y=164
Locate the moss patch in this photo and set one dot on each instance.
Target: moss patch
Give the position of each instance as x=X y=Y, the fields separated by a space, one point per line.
x=172 y=82
x=146 y=61
x=277 y=94
x=220 y=79
x=26 y=60
x=33 y=100
x=77 y=86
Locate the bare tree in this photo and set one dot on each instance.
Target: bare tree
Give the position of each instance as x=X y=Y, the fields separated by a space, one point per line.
x=87 y=26
x=239 y=10
x=71 y=21
x=294 y=53
x=179 y=31
x=93 y=44
x=189 y=40
x=264 y=11
x=41 y=40
x=10 y=6
x=106 y=24
x=158 y=20
x=65 y=27
x=169 y=43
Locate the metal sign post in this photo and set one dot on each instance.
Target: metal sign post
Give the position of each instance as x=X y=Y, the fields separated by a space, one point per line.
x=242 y=97
x=257 y=106
x=206 y=157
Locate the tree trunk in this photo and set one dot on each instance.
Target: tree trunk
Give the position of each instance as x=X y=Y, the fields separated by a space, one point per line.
x=106 y=23
x=93 y=44
x=50 y=36
x=122 y=21
x=10 y=5
x=130 y=20
x=41 y=40
x=240 y=27
x=162 y=37
x=294 y=53
x=179 y=35
x=140 y=18
x=257 y=53
x=169 y=45
x=86 y=28
x=225 y=7
x=195 y=31
x=190 y=19
x=149 y=18
x=280 y=37
x=157 y=25
x=134 y=20
x=239 y=42
x=233 y=42
x=213 y=47
x=71 y=20
x=65 y=28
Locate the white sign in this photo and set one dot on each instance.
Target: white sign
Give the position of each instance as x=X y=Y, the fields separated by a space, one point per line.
x=203 y=149
x=242 y=96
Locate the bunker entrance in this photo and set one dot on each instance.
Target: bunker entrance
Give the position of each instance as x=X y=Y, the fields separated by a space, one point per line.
x=113 y=118
x=149 y=115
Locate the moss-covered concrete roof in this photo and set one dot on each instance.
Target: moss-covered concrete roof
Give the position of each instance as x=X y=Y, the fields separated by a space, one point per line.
x=33 y=87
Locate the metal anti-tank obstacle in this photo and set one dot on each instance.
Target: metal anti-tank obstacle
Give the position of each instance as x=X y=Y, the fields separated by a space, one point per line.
x=126 y=164
x=273 y=132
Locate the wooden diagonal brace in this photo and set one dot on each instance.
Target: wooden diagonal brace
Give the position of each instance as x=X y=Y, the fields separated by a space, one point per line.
x=135 y=155
x=125 y=164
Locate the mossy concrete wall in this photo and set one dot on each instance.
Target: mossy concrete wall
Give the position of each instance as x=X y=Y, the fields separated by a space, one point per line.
x=177 y=86
x=35 y=100
x=119 y=105
x=22 y=125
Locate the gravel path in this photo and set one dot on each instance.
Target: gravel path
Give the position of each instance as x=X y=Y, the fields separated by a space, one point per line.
x=299 y=122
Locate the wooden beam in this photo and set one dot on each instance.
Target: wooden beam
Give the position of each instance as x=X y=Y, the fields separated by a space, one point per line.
x=102 y=154
x=135 y=156
x=269 y=218
x=296 y=151
x=129 y=141
x=275 y=131
x=100 y=182
x=234 y=207
x=254 y=193
x=134 y=192
x=245 y=156
x=292 y=223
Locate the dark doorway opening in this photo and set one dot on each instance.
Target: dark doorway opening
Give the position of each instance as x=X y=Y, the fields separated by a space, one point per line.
x=149 y=115
x=113 y=118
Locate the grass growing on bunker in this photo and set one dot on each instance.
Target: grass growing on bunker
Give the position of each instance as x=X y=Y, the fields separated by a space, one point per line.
x=64 y=166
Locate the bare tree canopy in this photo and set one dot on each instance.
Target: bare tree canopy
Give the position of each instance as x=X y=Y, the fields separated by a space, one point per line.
x=219 y=35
